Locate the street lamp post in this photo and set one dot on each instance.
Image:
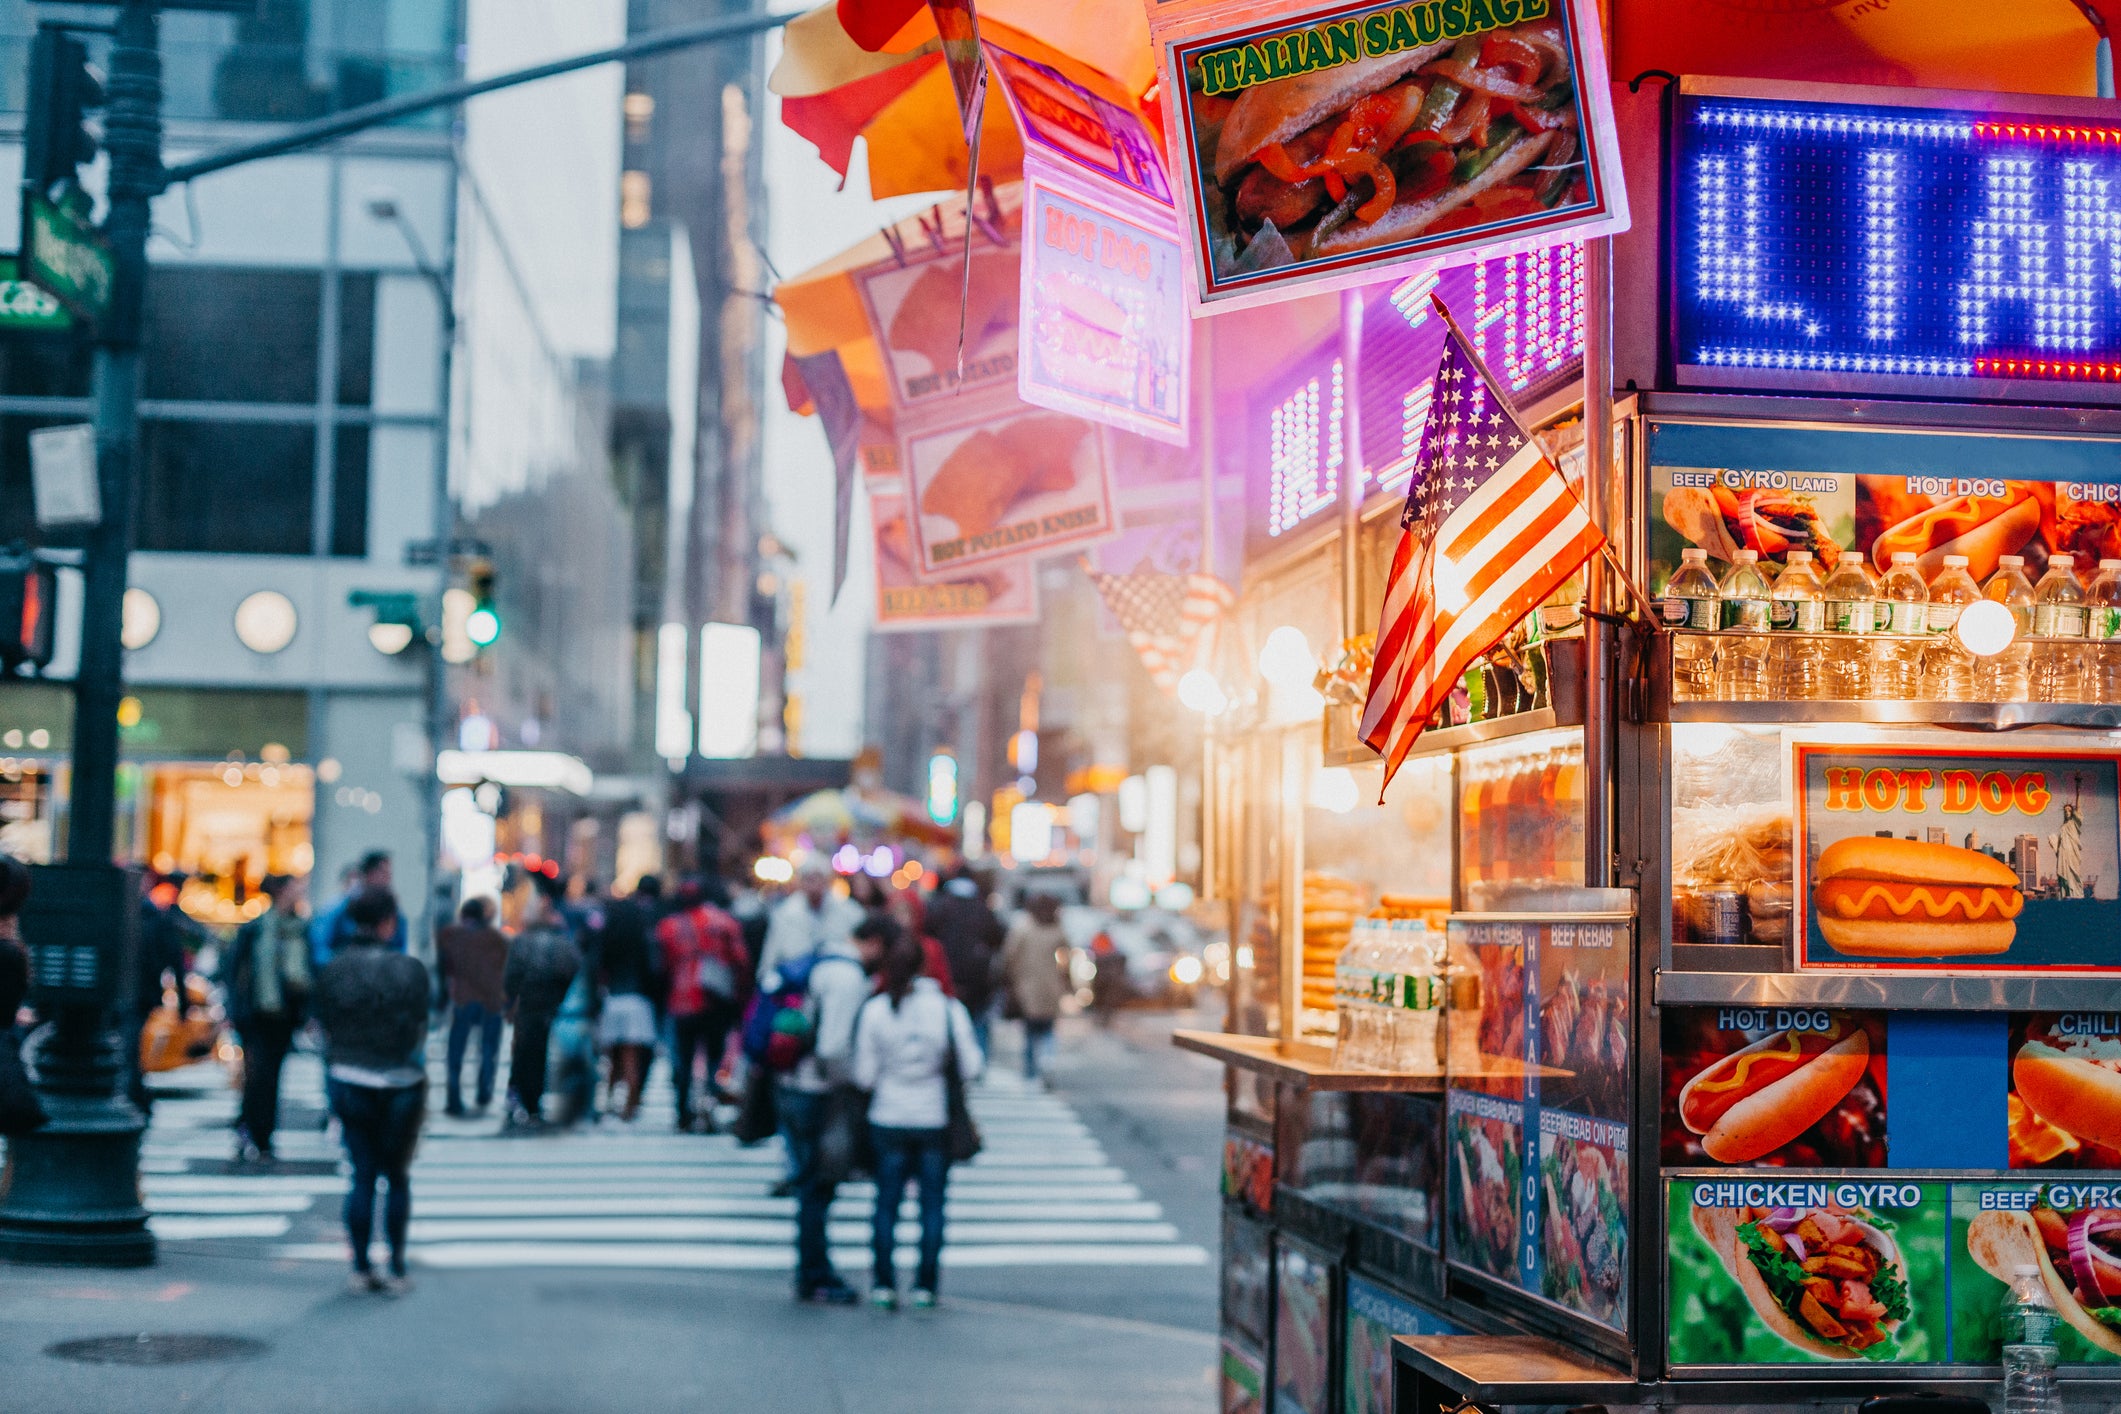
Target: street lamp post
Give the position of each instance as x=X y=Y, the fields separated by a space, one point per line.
x=71 y=1191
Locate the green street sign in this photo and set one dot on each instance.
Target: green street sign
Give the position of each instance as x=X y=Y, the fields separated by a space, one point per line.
x=26 y=308
x=65 y=255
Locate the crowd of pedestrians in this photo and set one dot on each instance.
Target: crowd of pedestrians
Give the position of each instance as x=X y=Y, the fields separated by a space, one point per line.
x=847 y=1018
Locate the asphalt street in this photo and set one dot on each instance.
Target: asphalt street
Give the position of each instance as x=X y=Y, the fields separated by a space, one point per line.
x=630 y=1268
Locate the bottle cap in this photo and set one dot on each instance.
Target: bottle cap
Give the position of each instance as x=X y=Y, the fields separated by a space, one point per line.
x=2025 y=1269
x=1692 y=555
x=2110 y=564
x=2016 y=562
x=2062 y=557
x=1953 y=561
x=1903 y=557
x=1799 y=557
x=1747 y=557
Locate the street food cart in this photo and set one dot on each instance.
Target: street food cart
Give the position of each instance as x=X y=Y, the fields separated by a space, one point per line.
x=1780 y=972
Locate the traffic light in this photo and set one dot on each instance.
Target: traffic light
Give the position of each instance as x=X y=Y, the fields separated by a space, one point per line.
x=483 y=625
x=63 y=89
x=29 y=601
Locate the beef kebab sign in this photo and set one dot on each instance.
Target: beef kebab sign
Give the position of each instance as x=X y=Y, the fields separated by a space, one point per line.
x=1315 y=147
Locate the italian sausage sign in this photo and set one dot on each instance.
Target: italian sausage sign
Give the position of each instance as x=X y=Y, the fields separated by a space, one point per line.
x=1958 y=859
x=1317 y=146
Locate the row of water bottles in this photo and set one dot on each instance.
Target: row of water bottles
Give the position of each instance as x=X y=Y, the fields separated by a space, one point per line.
x=1858 y=635
x=1388 y=988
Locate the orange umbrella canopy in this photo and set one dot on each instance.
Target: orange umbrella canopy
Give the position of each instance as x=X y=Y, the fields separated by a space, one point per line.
x=838 y=80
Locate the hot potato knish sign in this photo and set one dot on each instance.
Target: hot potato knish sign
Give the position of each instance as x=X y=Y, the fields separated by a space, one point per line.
x=1317 y=146
x=1914 y=857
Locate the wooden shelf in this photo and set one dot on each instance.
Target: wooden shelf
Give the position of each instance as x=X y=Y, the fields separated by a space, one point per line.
x=1305 y=1063
x=1509 y=1369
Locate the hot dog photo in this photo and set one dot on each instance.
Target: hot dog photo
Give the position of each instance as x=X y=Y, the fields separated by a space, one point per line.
x=1358 y=134
x=1799 y=1087
x=2065 y=1090
x=1808 y=1270
x=1924 y=858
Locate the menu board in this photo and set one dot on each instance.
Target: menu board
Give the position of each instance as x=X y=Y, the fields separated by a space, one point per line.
x=1005 y=593
x=999 y=481
x=1103 y=326
x=1375 y=1315
x=1802 y=1086
x=1303 y=1329
x=2064 y=1105
x=1536 y=1111
x=1773 y=1269
x=1961 y=858
x=1317 y=145
x=917 y=302
x=1248 y=1279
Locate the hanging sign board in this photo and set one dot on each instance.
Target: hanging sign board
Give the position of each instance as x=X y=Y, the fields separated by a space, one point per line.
x=1102 y=325
x=996 y=594
x=1000 y=481
x=1907 y=242
x=1314 y=149
x=914 y=302
x=1065 y=123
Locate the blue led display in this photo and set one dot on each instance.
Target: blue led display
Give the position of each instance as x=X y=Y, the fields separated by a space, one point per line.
x=1887 y=249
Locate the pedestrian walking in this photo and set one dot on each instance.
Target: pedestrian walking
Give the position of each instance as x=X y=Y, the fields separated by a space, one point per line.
x=542 y=963
x=836 y=985
x=21 y=1112
x=265 y=976
x=803 y=923
x=334 y=926
x=473 y=957
x=372 y=1004
x=1034 y=972
x=709 y=975
x=630 y=981
x=912 y=1044
x=971 y=937
x=167 y=939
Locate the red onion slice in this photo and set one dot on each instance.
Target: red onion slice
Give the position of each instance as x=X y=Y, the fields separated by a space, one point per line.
x=1796 y=1245
x=2083 y=1266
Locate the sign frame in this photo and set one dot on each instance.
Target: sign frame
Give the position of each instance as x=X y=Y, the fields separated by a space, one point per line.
x=50 y=226
x=1692 y=90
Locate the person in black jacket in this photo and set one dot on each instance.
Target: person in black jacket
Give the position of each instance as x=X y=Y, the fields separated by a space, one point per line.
x=372 y=1004
x=959 y=919
x=265 y=974
x=631 y=992
x=542 y=963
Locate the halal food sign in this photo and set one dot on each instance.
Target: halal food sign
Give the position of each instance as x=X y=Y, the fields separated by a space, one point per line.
x=1313 y=149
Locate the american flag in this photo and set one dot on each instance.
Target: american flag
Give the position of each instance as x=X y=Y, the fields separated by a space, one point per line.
x=1491 y=528
x=1168 y=618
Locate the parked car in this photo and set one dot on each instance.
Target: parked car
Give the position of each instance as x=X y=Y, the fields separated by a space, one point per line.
x=1133 y=957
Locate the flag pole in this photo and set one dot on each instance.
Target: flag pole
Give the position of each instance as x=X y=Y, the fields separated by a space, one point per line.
x=1495 y=391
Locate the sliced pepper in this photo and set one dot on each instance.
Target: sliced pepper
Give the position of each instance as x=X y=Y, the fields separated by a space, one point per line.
x=1472 y=164
x=1504 y=50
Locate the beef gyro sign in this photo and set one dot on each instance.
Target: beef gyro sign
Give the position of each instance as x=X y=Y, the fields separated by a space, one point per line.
x=1319 y=145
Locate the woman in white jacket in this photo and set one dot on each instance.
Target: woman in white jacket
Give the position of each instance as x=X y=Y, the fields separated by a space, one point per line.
x=904 y=1038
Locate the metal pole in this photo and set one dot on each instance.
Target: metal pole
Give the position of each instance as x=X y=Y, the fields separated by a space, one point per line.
x=1351 y=468
x=72 y=1193
x=1600 y=495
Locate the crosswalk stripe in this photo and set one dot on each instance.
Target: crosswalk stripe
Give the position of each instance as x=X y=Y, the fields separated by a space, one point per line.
x=1042 y=1193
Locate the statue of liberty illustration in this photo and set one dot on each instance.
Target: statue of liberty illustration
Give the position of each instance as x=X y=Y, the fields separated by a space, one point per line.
x=2068 y=845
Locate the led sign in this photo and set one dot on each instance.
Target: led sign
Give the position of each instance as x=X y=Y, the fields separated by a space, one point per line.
x=1868 y=247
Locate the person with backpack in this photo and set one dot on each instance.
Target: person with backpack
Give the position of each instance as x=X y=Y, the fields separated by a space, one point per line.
x=542 y=963
x=266 y=975
x=913 y=1047
x=710 y=977
x=971 y=935
x=372 y=1004
x=801 y=924
x=807 y=1042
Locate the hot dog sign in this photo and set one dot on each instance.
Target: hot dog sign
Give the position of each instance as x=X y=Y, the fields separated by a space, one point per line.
x=1926 y=858
x=1314 y=147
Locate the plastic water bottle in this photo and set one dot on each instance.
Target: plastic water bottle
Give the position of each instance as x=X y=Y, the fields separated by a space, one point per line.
x=2058 y=624
x=1852 y=617
x=1948 y=668
x=1741 y=660
x=1798 y=613
x=1693 y=610
x=1420 y=994
x=1350 y=1000
x=2102 y=621
x=1904 y=607
x=2029 y=1351
x=2006 y=676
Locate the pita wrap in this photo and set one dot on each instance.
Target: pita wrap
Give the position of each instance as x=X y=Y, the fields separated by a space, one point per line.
x=1719 y=1228
x=2003 y=1242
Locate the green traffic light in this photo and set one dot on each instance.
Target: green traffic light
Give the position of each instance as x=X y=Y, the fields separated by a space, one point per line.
x=483 y=626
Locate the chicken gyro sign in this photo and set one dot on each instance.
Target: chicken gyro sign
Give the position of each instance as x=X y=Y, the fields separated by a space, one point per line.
x=1317 y=146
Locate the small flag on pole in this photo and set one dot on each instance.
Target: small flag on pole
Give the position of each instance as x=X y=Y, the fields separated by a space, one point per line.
x=1491 y=528
x=1168 y=618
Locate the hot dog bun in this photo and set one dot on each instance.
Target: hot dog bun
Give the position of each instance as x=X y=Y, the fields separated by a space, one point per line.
x=1278 y=111
x=2069 y=1091
x=1982 y=528
x=1768 y=1118
x=1410 y=218
x=1876 y=896
x=2003 y=1242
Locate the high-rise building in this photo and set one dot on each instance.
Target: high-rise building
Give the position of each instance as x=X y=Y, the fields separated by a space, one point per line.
x=2025 y=859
